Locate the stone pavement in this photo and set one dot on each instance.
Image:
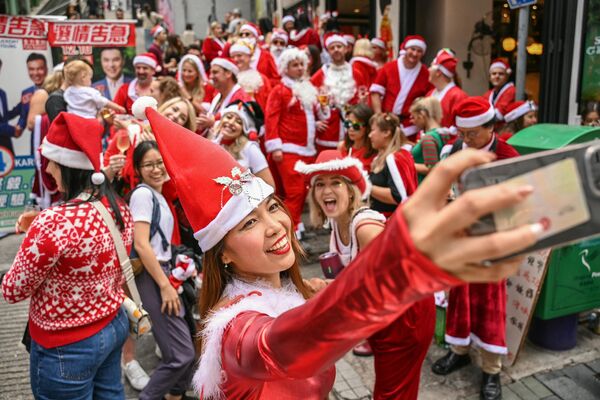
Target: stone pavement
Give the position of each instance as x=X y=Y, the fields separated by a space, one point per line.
x=538 y=374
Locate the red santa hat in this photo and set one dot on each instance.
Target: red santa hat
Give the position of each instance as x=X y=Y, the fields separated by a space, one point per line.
x=502 y=64
x=226 y=63
x=156 y=30
x=75 y=142
x=228 y=191
x=240 y=47
x=335 y=38
x=473 y=112
x=286 y=19
x=518 y=109
x=199 y=64
x=332 y=162
x=413 y=41
x=280 y=34
x=148 y=59
x=446 y=63
x=350 y=39
x=379 y=43
x=252 y=28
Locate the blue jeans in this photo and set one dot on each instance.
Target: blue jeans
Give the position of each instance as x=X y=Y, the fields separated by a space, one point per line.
x=90 y=368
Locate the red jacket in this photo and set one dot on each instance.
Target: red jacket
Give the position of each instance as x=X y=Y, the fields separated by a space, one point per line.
x=335 y=132
x=305 y=37
x=449 y=98
x=218 y=104
x=504 y=97
x=367 y=69
x=263 y=62
x=387 y=84
x=212 y=48
x=289 y=126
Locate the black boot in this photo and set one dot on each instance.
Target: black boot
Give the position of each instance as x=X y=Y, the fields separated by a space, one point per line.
x=491 y=389
x=450 y=363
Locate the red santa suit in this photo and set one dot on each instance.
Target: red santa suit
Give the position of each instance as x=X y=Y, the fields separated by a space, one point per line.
x=501 y=99
x=126 y=95
x=290 y=119
x=263 y=62
x=477 y=311
x=212 y=48
x=367 y=68
x=220 y=102
x=399 y=87
x=342 y=83
x=449 y=97
x=305 y=37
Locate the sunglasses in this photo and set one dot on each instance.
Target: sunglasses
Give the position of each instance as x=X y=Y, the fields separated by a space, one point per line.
x=353 y=125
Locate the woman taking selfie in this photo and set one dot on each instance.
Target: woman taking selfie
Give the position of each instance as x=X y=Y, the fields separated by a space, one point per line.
x=261 y=338
x=337 y=187
x=68 y=266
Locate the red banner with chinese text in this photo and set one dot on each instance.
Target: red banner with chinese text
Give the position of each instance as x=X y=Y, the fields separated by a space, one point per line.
x=18 y=27
x=91 y=33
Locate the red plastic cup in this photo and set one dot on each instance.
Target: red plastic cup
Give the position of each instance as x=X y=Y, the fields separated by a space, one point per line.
x=331 y=264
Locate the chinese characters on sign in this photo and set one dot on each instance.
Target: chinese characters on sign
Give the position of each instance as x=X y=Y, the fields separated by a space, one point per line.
x=522 y=291
x=99 y=34
x=21 y=27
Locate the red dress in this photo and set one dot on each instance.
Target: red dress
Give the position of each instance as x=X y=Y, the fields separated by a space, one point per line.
x=271 y=345
x=389 y=84
x=449 y=97
x=477 y=311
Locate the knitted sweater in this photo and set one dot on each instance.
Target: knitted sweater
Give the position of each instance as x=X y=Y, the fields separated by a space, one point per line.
x=68 y=265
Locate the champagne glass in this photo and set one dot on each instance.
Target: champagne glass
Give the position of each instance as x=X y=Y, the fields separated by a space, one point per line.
x=123 y=141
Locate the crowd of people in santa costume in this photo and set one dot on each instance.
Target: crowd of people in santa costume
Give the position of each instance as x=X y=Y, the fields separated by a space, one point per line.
x=218 y=152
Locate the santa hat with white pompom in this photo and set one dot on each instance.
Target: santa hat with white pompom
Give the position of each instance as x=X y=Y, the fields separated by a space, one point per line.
x=229 y=192
x=75 y=142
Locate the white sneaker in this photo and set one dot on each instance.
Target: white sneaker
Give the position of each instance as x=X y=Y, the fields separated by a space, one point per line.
x=158 y=352
x=137 y=377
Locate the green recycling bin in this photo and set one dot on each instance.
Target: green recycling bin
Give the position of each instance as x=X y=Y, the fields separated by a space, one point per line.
x=572 y=281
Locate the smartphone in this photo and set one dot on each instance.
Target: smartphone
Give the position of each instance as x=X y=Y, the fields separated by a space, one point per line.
x=566 y=197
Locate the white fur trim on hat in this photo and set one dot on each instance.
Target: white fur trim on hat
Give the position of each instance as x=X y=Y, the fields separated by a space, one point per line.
x=280 y=35
x=67 y=157
x=196 y=60
x=249 y=28
x=157 y=30
x=350 y=39
x=142 y=59
x=378 y=42
x=289 y=55
x=520 y=111
x=416 y=43
x=240 y=48
x=478 y=120
x=286 y=19
x=500 y=65
x=335 y=39
x=443 y=70
x=233 y=212
x=226 y=64
x=138 y=108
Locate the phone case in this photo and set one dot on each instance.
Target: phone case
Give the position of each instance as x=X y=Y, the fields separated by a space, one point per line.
x=587 y=158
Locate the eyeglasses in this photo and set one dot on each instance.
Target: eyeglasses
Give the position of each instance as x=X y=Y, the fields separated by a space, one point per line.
x=468 y=134
x=151 y=166
x=353 y=125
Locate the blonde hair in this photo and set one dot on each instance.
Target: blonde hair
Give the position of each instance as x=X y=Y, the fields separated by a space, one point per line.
x=363 y=48
x=390 y=123
x=316 y=214
x=74 y=70
x=53 y=82
x=430 y=106
x=191 y=122
x=235 y=148
x=198 y=87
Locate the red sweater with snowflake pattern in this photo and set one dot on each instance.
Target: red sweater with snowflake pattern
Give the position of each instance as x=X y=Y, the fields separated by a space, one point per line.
x=69 y=267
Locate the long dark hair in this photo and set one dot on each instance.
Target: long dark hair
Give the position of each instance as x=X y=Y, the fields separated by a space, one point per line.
x=315 y=56
x=363 y=113
x=76 y=181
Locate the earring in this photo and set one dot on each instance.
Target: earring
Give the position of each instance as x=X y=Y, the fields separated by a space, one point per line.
x=226 y=266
